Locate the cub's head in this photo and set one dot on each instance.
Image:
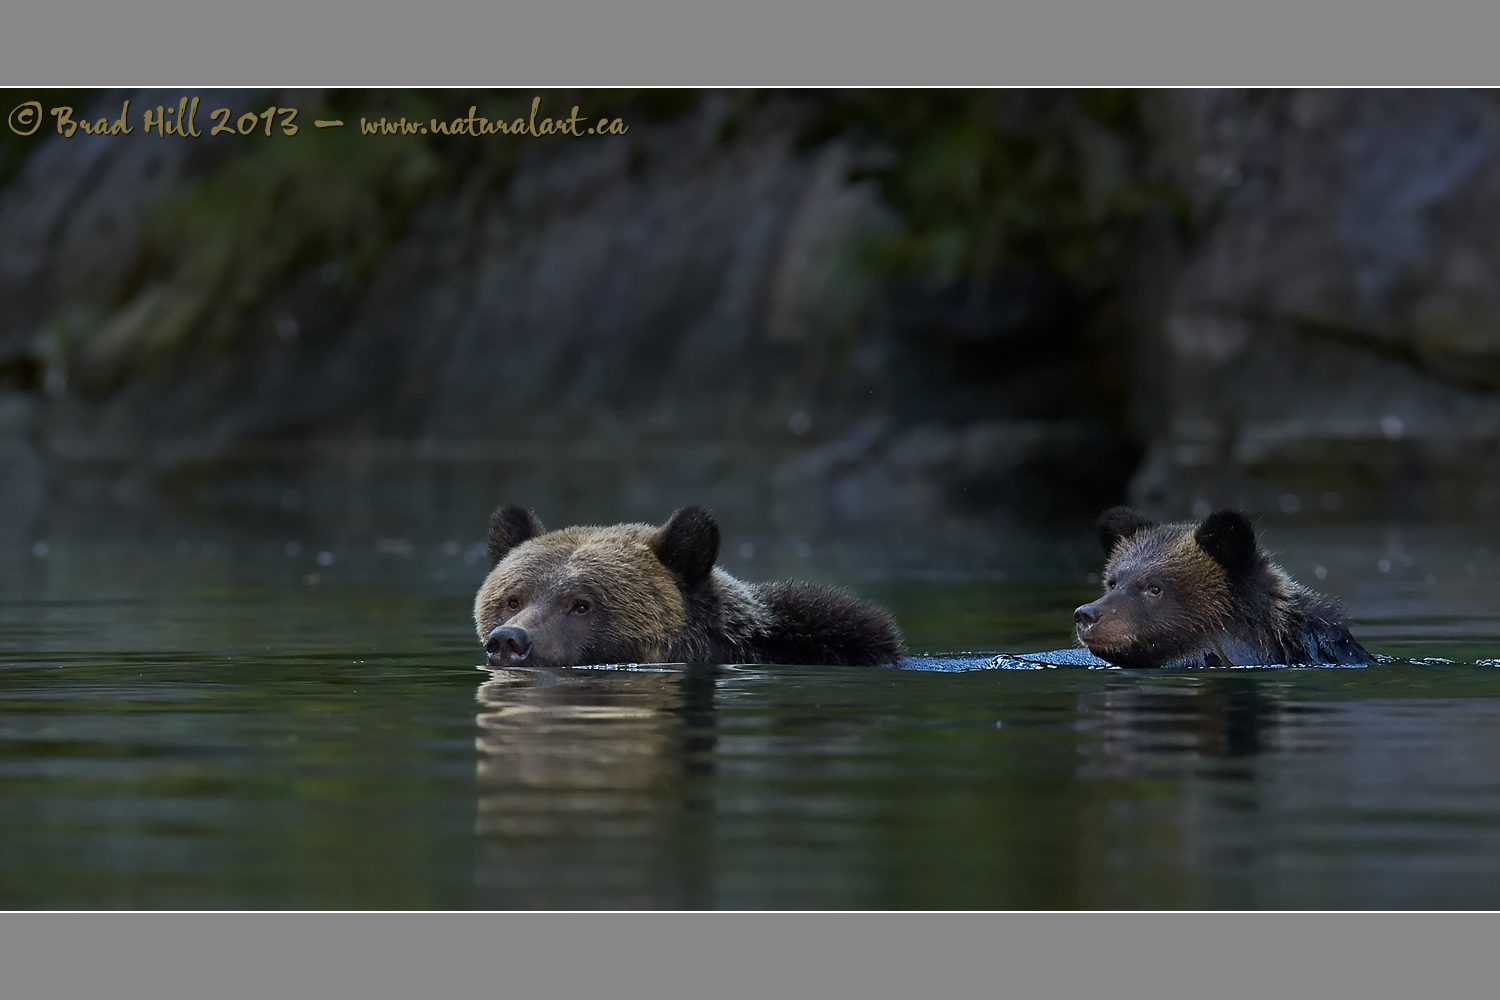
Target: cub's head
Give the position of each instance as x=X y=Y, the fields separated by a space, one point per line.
x=590 y=594
x=1169 y=589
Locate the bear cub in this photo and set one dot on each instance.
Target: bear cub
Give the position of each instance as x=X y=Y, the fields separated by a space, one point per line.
x=1204 y=595
x=636 y=593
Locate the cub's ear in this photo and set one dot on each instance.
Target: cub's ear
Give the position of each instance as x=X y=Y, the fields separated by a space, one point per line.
x=1229 y=537
x=1119 y=523
x=688 y=543
x=510 y=526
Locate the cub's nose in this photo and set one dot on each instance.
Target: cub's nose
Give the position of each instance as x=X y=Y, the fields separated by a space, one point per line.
x=1086 y=616
x=507 y=646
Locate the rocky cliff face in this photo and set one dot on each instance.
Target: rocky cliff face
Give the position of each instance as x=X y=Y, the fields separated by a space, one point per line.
x=1331 y=341
x=607 y=330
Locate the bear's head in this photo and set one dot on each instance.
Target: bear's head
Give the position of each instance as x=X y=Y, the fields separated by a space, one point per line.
x=585 y=595
x=1171 y=591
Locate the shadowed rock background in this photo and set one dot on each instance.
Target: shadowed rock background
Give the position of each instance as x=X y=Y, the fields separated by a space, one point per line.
x=920 y=329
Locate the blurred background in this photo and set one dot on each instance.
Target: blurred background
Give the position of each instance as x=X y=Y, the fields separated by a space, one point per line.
x=901 y=332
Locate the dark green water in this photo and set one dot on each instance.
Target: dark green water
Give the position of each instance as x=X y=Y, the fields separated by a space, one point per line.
x=182 y=727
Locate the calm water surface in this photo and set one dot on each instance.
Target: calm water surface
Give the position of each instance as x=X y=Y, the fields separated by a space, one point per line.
x=200 y=725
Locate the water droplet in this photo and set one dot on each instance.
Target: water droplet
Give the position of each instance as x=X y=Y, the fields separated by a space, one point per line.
x=1321 y=572
x=325 y=558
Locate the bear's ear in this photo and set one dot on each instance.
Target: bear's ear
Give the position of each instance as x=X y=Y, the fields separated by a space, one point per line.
x=1229 y=537
x=510 y=526
x=1118 y=523
x=688 y=543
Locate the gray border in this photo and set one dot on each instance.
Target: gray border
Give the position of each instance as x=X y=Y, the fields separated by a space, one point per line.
x=1039 y=43
x=1044 y=955
x=782 y=43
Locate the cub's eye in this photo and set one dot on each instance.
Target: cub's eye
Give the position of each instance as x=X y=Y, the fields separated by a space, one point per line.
x=1109 y=584
x=1154 y=590
x=513 y=603
x=580 y=607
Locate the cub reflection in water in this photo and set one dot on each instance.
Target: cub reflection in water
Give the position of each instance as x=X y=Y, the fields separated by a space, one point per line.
x=636 y=593
x=1219 y=715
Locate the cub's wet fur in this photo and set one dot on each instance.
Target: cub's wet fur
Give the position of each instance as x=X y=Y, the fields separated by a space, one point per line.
x=637 y=593
x=1204 y=595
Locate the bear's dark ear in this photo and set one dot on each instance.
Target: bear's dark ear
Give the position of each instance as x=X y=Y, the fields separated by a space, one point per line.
x=688 y=543
x=1120 y=522
x=1229 y=537
x=510 y=526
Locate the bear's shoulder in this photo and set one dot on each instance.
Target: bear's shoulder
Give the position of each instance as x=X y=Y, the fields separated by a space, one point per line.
x=813 y=623
x=1320 y=632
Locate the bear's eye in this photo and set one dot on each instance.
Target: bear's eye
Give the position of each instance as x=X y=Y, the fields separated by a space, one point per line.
x=1153 y=589
x=1110 y=583
x=513 y=603
x=580 y=607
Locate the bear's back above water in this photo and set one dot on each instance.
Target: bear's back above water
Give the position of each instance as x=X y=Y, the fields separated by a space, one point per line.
x=637 y=593
x=1204 y=595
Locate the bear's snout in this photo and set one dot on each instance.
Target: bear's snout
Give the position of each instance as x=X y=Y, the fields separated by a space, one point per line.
x=1086 y=616
x=507 y=646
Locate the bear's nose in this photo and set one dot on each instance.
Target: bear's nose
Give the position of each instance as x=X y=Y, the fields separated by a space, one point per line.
x=507 y=646
x=1086 y=616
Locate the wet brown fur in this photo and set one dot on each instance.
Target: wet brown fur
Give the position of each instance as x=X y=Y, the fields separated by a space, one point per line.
x=1234 y=608
x=615 y=566
x=646 y=612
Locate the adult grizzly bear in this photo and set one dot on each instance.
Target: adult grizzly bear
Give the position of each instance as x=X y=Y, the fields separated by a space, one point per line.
x=638 y=593
x=1204 y=595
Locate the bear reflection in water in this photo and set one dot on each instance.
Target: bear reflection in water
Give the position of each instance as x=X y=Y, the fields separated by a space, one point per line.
x=607 y=737
x=587 y=795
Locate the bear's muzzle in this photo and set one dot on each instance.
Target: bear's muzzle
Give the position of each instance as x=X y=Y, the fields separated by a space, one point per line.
x=508 y=646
